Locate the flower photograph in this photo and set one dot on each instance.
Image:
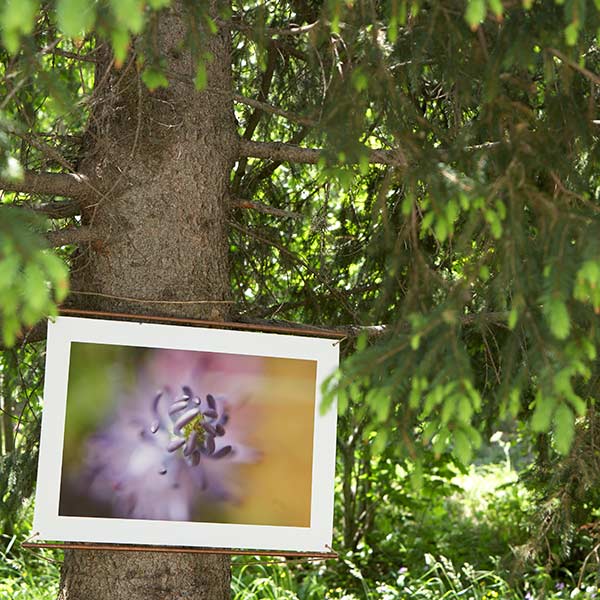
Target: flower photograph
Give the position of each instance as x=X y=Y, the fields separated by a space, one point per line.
x=180 y=435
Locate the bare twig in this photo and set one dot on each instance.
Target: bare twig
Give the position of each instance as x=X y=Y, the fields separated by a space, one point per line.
x=240 y=25
x=55 y=155
x=273 y=110
x=289 y=49
x=73 y=55
x=585 y=562
x=34 y=140
x=294 y=29
x=90 y=56
x=290 y=153
x=375 y=331
x=349 y=331
x=38 y=331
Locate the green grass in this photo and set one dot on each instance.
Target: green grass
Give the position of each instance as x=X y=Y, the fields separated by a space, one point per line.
x=28 y=574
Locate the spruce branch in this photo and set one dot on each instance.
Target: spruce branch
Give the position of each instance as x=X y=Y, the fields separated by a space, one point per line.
x=590 y=75
x=300 y=262
x=52 y=184
x=73 y=55
x=289 y=153
x=69 y=188
x=263 y=94
x=376 y=331
x=70 y=235
x=267 y=169
x=56 y=209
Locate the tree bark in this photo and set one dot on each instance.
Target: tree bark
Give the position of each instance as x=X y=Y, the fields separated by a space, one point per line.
x=101 y=574
x=163 y=162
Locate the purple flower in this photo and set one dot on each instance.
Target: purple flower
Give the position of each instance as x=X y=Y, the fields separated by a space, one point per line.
x=191 y=428
x=173 y=453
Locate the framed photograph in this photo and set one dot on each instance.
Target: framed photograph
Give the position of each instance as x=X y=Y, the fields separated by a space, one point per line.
x=175 y=435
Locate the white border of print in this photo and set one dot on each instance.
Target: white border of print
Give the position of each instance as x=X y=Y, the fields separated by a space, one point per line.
x=52 y=526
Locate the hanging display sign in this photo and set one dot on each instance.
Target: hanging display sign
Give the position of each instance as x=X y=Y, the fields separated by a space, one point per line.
x=185 y=436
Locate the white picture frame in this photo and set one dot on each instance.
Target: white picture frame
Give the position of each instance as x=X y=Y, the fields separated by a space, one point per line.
x=51 y=522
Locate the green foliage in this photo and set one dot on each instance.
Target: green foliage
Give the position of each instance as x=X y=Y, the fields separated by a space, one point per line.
x=21 y=379
x=75 y=17
x=475 y=13
x=200 y=79
x=18 y=18
x=482 y=243
x=154 y=78
x=557 y=316
x=32 y=279
x=452 y=539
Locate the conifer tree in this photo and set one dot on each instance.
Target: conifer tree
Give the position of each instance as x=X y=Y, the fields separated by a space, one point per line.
x=421 y=175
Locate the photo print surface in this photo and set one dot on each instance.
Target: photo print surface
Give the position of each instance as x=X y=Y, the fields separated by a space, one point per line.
x=182 y=435
x=174 y=435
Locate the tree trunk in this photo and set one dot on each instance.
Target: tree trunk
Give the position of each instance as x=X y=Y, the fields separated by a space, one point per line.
x=162 y=162
x=102 y=574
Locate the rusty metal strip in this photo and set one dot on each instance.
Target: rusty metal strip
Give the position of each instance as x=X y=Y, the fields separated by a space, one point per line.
x=326 y=333
x=177 y=549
